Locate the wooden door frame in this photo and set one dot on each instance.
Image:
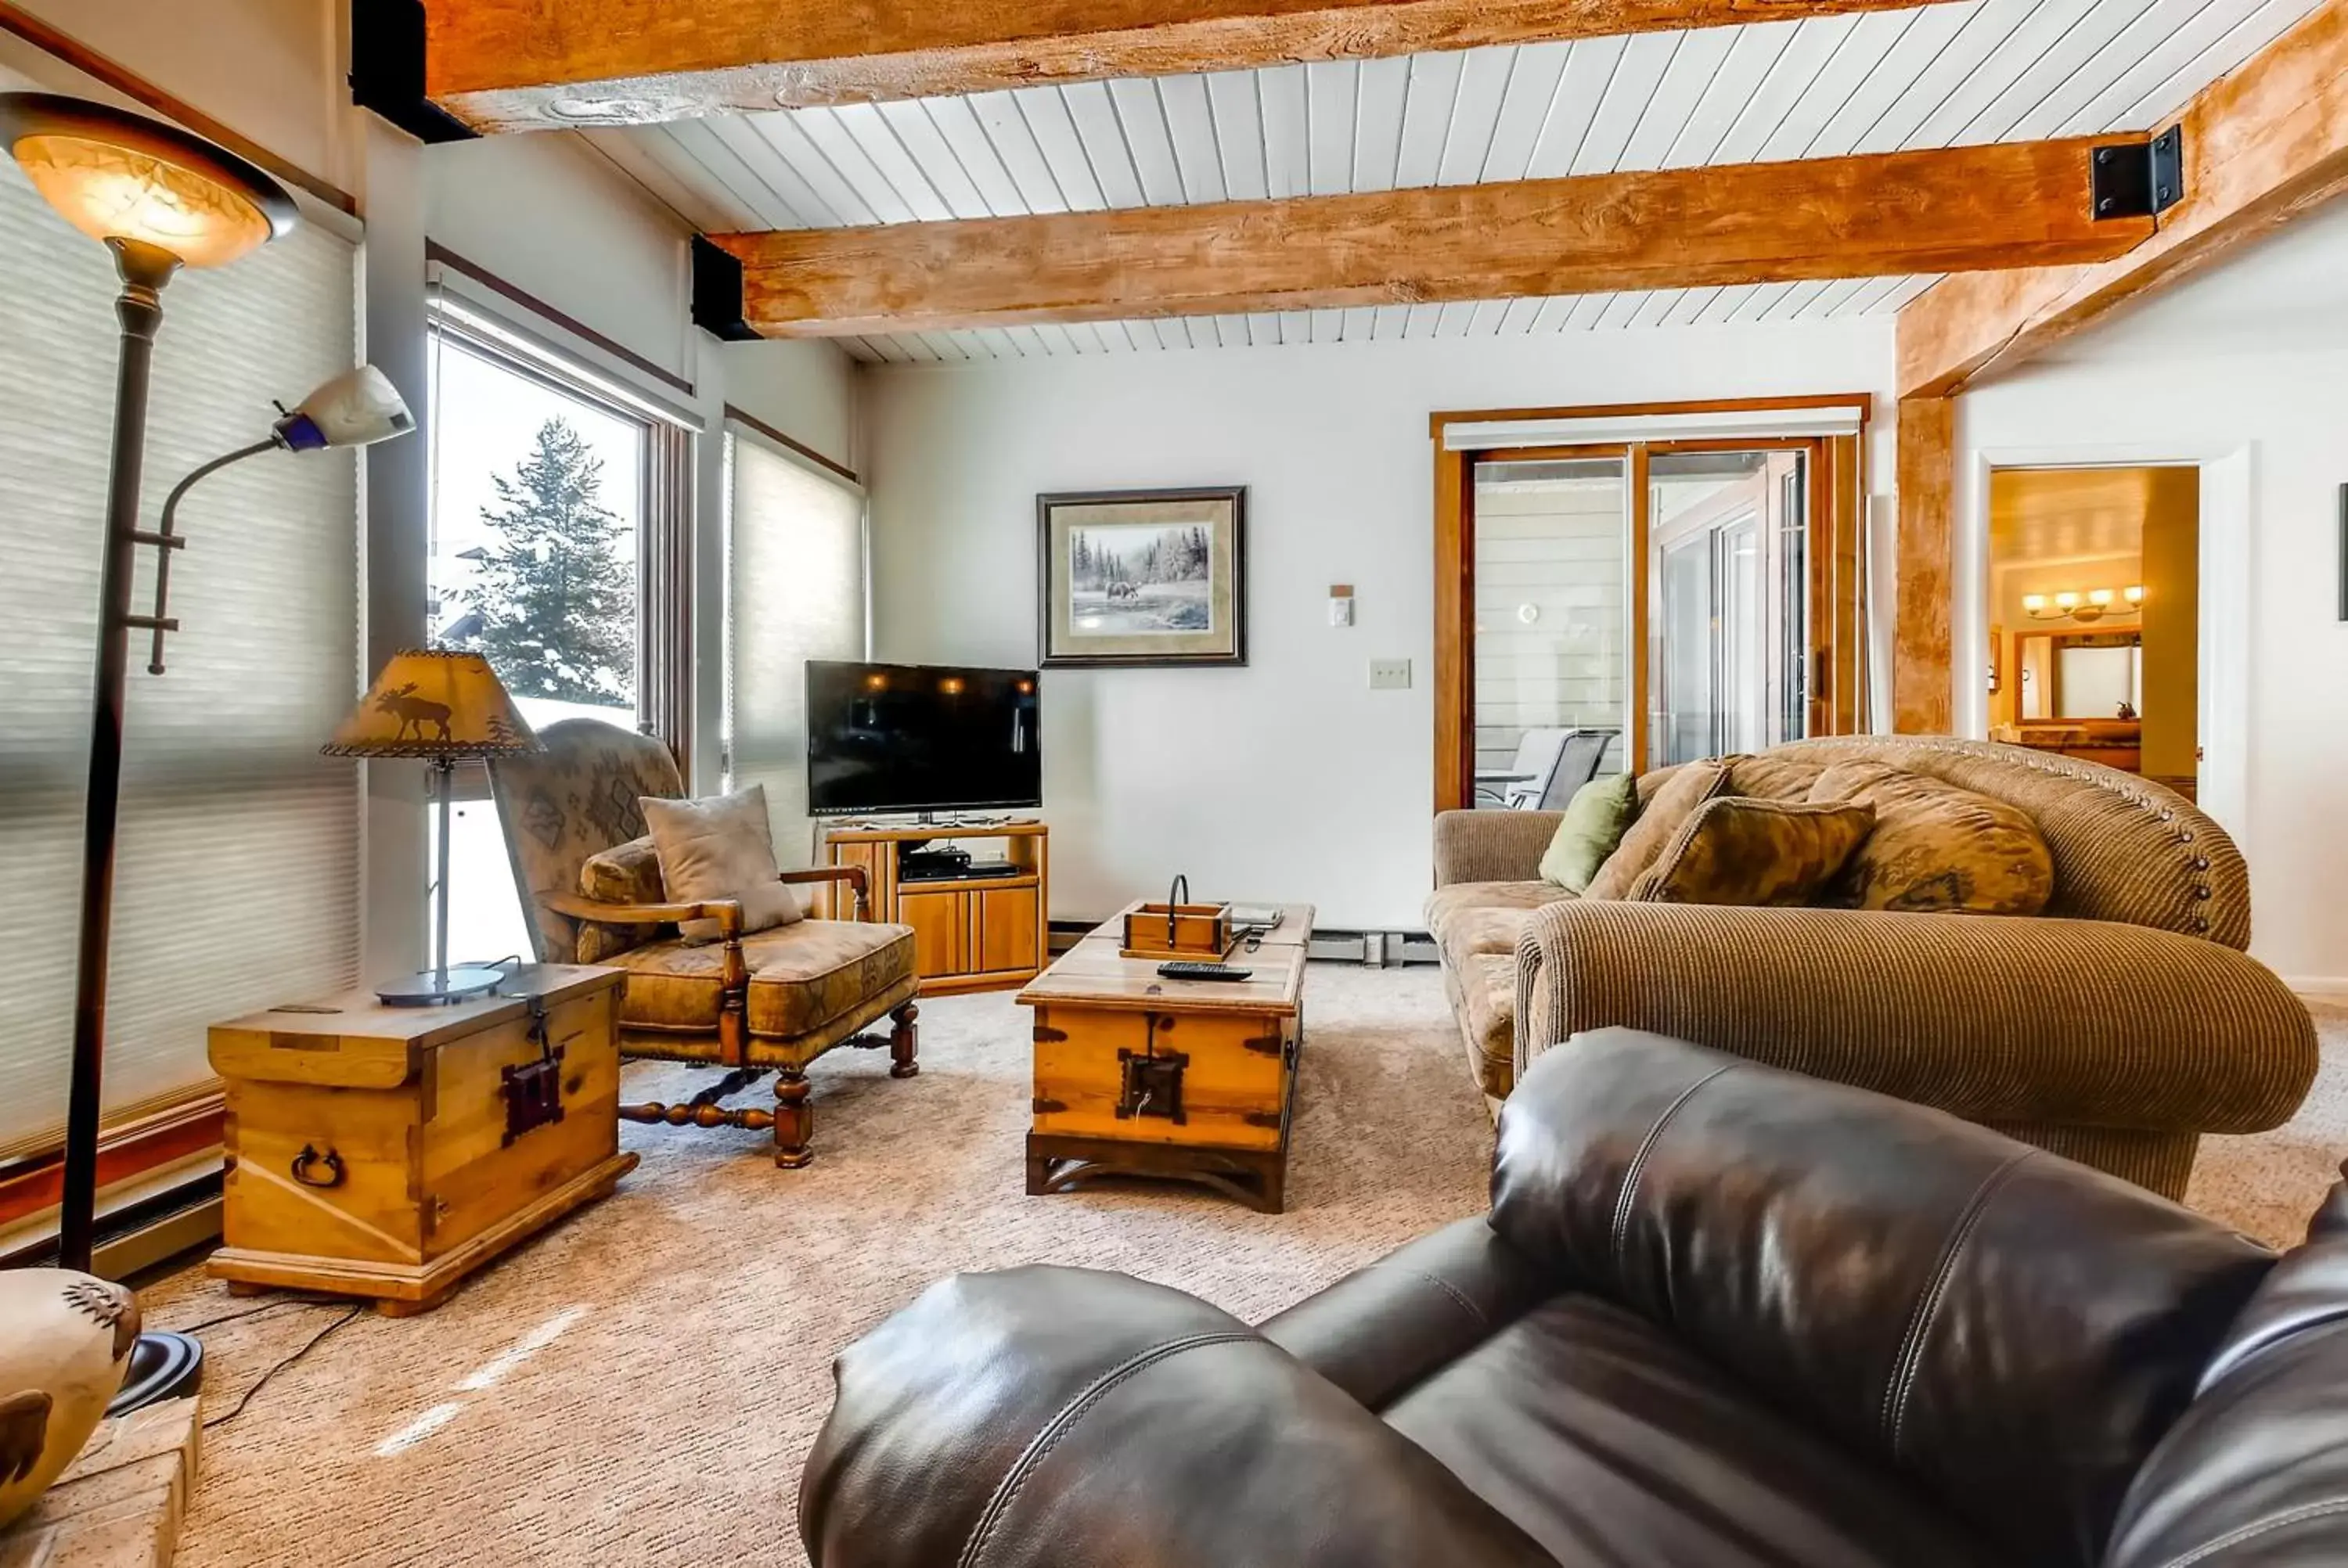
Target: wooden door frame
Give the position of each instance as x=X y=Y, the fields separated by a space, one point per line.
x=2229 y=505
x=1836 y=572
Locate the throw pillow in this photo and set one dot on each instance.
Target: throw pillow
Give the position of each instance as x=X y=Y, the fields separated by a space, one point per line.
x=1596 y=819
x=1652 y=782
x=720 y=849
x=626 y=873
x=1936 y=846
x=1691 y=786
x=1737 y=849
x=1770 y=775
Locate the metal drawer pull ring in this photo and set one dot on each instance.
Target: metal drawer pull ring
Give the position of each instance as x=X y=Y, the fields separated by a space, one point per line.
x=309 y=1158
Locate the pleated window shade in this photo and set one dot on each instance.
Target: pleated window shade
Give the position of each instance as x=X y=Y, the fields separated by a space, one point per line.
x=795 y=593
x=237 y=880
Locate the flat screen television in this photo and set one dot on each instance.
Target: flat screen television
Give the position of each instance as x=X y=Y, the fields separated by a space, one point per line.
x=921 y=738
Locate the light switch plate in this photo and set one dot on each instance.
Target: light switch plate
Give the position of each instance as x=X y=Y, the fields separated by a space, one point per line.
x=1389 y=674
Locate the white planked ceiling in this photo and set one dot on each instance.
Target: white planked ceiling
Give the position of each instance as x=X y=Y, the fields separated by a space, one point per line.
x=1937 y=75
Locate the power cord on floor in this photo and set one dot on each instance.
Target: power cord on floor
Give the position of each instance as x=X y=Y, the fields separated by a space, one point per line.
x=307 y=1345
x=256 y=1311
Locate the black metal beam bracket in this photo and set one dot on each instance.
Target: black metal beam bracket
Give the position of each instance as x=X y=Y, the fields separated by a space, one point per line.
x=2140 y=180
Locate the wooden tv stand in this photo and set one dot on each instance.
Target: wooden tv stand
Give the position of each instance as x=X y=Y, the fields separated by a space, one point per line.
x=970 y=934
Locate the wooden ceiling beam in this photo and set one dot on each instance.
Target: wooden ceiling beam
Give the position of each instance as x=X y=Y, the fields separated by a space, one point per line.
x=520 y=65
x=1944 y=211
x=2262 y=146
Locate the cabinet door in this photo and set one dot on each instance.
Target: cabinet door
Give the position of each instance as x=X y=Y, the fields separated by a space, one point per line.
x=1004 y=924
x=937 y=922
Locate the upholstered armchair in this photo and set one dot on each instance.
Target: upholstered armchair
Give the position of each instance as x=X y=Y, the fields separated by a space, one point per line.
x=770 y=1001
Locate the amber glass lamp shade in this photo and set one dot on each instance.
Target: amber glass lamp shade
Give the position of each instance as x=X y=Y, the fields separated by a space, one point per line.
x=121 y=177
x=434 y=703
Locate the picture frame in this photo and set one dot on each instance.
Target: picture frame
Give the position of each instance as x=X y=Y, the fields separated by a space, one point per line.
x=1128 y=579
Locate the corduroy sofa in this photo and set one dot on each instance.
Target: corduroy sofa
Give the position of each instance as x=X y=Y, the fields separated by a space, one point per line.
x=2115 y=1029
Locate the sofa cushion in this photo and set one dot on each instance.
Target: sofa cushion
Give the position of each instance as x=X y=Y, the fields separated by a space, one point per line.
x=802 y=977
x=1691 y=786
x=1608 y=1442
x=1736 y=850
x=1487 y=998
x=1448 y=909
x=1595 y=820
x=1937 y=846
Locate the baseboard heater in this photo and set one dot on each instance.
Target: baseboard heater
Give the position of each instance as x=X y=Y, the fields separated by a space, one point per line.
x=1379 y=949
x=136 y=1236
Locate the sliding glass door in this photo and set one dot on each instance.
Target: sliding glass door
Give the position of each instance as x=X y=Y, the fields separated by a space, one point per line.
x=1730 y=533
x=1552 y=617
x=1641 y=603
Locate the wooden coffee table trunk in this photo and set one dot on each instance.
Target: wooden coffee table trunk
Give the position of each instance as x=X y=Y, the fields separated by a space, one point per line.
x=1139 y=1076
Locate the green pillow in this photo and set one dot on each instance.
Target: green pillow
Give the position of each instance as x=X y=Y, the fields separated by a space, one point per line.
x=1599 y=814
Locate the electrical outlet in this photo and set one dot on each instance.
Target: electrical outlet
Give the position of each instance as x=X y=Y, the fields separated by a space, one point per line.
x=1389 y=674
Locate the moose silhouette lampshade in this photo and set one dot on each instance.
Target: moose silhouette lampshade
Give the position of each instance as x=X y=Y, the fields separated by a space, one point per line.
x=445 y=707
x=434 y=703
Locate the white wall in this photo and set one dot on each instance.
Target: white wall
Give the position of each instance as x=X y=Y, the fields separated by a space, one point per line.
x=1290 y=778
x=269 y=70
x=2250 y=357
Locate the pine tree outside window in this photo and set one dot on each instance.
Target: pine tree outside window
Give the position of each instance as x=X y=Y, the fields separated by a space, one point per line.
x=539 y=553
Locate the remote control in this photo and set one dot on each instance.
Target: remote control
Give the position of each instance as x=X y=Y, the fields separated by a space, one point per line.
x=1185 y=971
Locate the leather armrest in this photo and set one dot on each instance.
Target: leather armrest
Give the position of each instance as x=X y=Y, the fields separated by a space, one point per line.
x=1060 y=1418
x=1998 y=1018
x=1380 y=1330
x=2013 y=1330
x=2255 y=1474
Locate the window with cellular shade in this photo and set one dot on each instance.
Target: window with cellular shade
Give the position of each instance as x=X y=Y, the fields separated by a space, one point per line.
x=237 y=869
x=795 y=593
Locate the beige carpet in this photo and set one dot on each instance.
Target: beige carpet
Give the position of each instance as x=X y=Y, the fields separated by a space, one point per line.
x=641 y=1385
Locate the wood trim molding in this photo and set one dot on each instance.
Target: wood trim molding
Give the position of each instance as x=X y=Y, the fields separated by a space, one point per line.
x=1922 y=682
x=741 y=416
x=125 y=1152
x=436 y=252
x=1455 y=599
x=522 y=65
x=2262 y=146
x=131 y=85
x=1944 y=210
x=1863 y=402
x=1638 y=733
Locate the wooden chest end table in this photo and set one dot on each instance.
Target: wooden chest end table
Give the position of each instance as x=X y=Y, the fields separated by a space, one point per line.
x=387 y=1152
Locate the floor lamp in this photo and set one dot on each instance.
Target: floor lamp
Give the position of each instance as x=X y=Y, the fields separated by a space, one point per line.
x=160 y=200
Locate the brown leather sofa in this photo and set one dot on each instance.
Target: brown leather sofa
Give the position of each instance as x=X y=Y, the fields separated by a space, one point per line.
x=1720 y=1316
x=2162 y=1027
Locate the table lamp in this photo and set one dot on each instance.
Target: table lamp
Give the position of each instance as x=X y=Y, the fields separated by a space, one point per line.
x=445 y=707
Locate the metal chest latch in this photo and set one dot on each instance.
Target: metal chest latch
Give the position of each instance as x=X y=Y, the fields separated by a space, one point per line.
x=1152 y=1078
x=534 y=1090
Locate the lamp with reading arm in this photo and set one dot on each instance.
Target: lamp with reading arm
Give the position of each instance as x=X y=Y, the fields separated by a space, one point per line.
x=160 y=200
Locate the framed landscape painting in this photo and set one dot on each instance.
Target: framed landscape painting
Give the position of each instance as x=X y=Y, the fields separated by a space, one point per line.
x=1142 y=577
